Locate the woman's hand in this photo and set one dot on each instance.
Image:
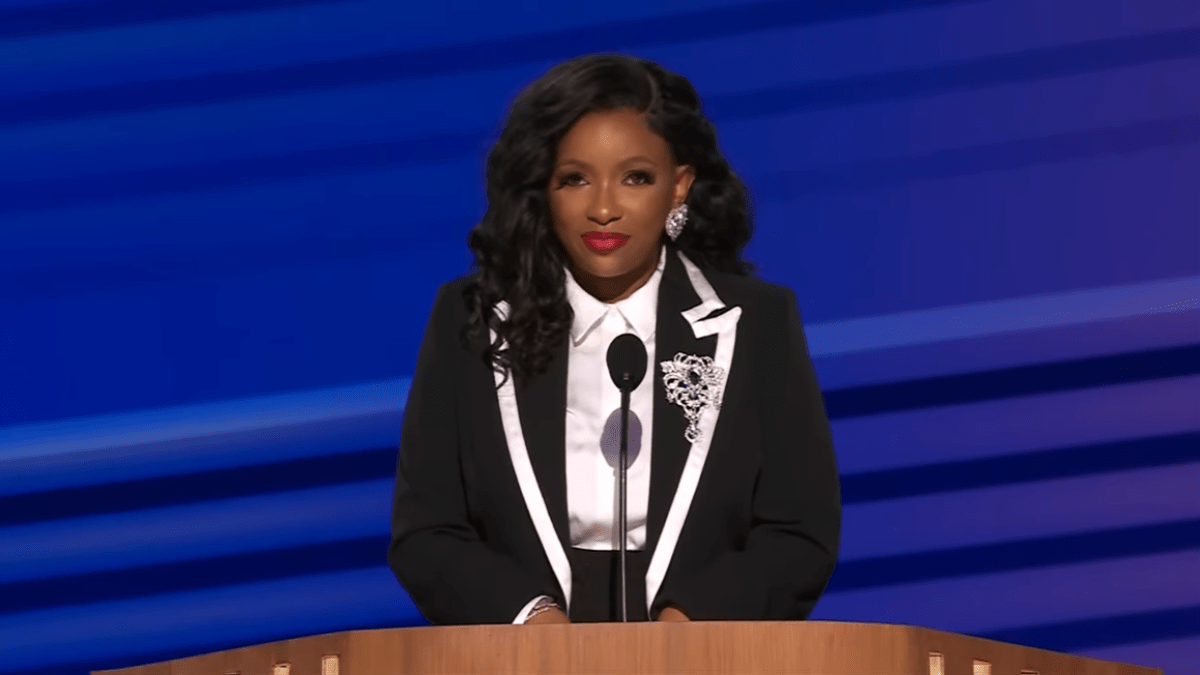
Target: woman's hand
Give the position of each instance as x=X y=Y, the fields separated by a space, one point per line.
x=672 y=613
x=552 y=615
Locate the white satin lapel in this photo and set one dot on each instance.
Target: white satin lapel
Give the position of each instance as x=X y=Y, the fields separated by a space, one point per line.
x=511 y=418
x=725 y=328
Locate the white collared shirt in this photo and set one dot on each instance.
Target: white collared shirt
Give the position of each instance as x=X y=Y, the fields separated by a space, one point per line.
x=594 y=417
x=593 y=421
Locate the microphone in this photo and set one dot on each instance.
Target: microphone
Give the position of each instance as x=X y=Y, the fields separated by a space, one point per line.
x=627 y=367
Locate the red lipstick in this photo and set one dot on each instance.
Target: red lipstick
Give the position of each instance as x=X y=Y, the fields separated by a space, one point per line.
x=604 y=242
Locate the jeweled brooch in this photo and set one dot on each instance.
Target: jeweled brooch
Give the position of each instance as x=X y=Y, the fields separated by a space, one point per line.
x=693 y=383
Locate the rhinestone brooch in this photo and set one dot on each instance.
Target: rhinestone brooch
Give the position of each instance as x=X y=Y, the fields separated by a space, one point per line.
x=693 y=383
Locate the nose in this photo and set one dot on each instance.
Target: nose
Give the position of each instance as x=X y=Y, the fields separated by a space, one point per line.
x=603 y=208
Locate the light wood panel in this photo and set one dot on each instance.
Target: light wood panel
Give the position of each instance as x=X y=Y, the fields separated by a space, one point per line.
x=699 y=648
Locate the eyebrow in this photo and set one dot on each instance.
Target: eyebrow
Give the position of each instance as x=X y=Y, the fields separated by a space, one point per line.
x=627 y=160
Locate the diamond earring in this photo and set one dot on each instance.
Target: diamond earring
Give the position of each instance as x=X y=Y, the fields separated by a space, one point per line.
x=675 y=221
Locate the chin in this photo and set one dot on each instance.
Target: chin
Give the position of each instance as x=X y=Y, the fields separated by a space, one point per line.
x=607 y=266
x=604 y=269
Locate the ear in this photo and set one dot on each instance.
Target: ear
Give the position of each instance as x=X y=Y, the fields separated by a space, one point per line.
x=685 y=174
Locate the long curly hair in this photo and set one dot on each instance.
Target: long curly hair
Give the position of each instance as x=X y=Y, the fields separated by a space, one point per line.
x=517 y=255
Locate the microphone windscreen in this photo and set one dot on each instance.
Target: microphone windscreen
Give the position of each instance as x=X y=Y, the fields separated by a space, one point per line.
x=627 y=361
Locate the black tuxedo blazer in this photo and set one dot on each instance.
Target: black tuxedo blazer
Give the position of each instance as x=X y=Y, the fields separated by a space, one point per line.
x=742 y=524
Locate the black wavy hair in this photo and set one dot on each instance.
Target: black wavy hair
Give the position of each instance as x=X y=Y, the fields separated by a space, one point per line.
x=517 y=255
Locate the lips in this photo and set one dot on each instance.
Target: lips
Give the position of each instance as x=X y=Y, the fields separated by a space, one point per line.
x=605 y=241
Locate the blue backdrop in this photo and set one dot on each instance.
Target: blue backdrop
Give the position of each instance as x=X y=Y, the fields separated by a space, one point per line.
x=222 y=224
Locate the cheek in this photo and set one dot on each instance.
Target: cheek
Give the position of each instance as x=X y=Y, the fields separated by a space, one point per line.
x=563 y=222
x=654 y=209
x=554 y=206
x=563 y=209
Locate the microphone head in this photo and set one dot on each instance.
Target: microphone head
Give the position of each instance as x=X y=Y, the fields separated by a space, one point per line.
x=627 y=361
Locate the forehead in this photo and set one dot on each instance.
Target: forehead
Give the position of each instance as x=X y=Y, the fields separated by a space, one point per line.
x=612 y=134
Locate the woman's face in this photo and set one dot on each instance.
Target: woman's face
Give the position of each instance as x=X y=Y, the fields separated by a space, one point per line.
x=614 y=182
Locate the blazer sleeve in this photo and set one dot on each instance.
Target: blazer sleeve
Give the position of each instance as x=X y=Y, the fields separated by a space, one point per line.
x=451 y=574
x=792 y=544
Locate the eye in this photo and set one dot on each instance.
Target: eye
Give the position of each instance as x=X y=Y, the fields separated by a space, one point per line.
x=572 y=179
x=641 y=178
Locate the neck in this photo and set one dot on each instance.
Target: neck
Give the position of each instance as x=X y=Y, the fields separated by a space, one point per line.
x=615 y=289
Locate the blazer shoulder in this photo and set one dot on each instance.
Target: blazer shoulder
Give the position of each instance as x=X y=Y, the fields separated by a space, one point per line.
x=749 y=291
x=455 y=287
x=449 y=304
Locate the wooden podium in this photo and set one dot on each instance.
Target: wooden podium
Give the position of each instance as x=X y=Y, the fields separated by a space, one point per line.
x=752 y=648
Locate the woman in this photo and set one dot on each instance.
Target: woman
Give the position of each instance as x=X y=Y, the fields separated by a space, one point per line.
x=611 y=211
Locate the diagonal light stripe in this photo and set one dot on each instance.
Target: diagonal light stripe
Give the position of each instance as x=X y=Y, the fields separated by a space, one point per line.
x=176 y=422
x=489 y=53
x=1023 y=467
x=194 y=621
x=1009 y=426
x=1102 y=631
x=1173 y=656
x=1004 y=316
x=33 y=443
x=1054 y=344
x=199 y=455
x=60 y=16
x=187 y=532
x=1047 y=595
x=1021 y=511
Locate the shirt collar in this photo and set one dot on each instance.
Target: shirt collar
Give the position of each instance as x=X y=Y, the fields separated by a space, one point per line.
x=640 y=310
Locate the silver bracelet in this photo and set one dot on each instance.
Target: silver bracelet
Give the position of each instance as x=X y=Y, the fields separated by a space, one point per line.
x=540 y=608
